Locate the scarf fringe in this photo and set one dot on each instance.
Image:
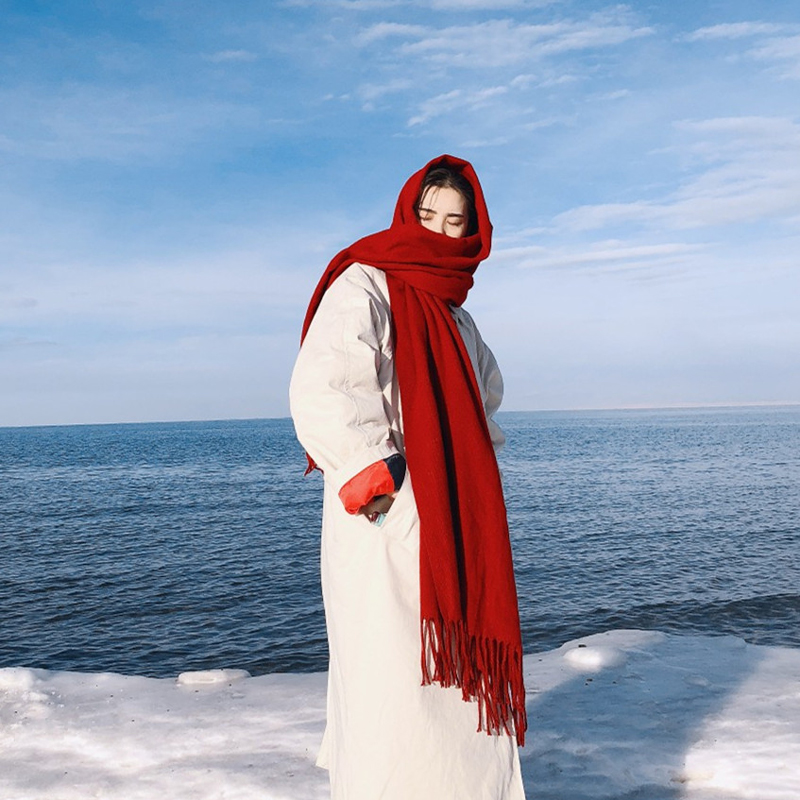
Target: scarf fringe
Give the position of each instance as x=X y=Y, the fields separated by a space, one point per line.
x=484 y=669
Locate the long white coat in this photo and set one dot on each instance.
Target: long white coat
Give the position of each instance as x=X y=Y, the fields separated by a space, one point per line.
x=387 y=737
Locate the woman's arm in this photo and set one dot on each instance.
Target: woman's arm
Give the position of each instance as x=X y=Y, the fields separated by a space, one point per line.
x=339 y=408
x=492 y=381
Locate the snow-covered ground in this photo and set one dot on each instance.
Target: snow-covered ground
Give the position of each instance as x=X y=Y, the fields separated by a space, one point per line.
x=624 y=714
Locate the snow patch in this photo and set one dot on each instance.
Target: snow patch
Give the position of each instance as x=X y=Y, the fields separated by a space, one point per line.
x=210 y=677
x=593 y=659
x=619 y=714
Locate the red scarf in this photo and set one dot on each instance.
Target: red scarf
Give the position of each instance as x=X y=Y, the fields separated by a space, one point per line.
x=468 y=600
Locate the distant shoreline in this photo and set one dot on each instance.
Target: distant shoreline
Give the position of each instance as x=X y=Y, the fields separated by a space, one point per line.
x=766 y=404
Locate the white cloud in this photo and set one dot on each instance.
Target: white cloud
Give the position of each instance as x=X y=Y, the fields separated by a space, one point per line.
x=735 y=30
x=504 y=42
x=228 y=291
x=384 y=30
x=351 y=5
x=474 y=5
x=750 y=172
x=436 y=5
x=232 y=55
x=499 y=141
x=501 y=42
x=24 y=343
x=744 y=133
x=607 y=256
x=96 y=123
x=616 y=95
x=786 y=47
x=775 y=43
x=456 y=99
x=523 y=81
x=557 y=80
x=374 y=91
x=416 y=57
x=785 y=51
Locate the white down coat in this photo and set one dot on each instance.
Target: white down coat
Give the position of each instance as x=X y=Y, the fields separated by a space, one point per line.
x=387 y=737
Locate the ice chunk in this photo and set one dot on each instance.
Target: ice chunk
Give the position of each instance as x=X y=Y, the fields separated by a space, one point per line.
x=211 y=676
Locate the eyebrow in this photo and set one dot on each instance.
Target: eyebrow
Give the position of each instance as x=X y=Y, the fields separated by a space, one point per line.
x=433 y=211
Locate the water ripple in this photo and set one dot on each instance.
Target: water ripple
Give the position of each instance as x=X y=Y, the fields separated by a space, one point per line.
x=153 y=549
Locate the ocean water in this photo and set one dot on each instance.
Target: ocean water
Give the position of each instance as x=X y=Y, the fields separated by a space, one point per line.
x=155 y=548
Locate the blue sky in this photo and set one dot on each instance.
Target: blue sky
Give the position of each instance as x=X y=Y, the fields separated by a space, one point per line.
x=174 y=176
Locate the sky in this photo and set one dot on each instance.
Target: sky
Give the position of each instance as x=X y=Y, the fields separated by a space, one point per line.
x=175 y=175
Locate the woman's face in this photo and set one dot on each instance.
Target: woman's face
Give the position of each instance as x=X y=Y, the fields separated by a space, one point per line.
x=443 y=209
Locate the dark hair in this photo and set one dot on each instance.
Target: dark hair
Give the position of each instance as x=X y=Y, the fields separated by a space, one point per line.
x=444 y=177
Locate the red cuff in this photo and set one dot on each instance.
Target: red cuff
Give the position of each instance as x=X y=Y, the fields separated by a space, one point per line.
x=370 y=482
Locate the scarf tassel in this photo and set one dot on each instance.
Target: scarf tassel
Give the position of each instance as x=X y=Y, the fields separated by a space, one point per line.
x=484 y=669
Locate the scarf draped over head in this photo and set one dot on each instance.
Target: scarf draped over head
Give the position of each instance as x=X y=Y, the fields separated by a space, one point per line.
x=469 y=619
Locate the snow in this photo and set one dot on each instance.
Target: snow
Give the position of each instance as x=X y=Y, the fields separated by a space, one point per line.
x=623 y=714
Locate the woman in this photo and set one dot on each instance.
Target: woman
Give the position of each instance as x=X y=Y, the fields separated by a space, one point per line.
x=417 y=580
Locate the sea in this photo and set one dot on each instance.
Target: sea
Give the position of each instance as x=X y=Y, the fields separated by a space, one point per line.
x=153 y=549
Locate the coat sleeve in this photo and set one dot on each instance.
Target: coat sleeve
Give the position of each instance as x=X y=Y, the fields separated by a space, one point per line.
x=340 y=411
x=493 y=387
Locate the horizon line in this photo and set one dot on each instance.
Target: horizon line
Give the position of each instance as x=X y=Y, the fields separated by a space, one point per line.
x=576 y=409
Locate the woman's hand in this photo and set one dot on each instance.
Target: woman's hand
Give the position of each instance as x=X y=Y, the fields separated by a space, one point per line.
x=377 y=506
